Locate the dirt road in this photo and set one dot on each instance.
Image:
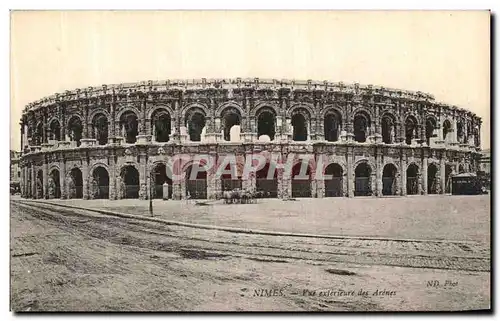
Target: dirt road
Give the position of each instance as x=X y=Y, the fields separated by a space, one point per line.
x=80 y=260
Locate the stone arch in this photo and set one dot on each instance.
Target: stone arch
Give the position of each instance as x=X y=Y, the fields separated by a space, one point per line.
x=195 y=119
x=161 y=124
x=412 y=175
x=54 y=183
x=362 y=178
x=266 y=121
x=411 y=128
x=308 y=107
x=230 y=116
x=390 y=173
x=332 y=124
x=39 y=137
x=361 y=124
x=196 y=187
x=157 y=107
x=99 y=186
x=460 y=131
x=103 y=111
x=75 y=128
x=229 y=104
x=301 y=186
x=334 y=184
x=100 y=127
x=129 y=125
x=432 y=178
x=259 y=108
x=74 y=182
x=431 y=125
x=301 y=122
x=447 y=130
x=388 y=124
x=130 y=181
x=194 y=106
x=266 y=180
x=55 y=128
x=126 y=109
x=161 y=174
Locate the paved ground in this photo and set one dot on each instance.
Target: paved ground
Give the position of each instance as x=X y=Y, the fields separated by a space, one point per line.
x=80 y=260
x=416 y=217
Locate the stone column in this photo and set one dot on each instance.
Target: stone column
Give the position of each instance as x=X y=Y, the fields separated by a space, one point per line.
x=378 y=173
x=424 y=175
x=402 y=170
x=45 y=179
x=33 y=181
x=350 y=173
x=85 y=176
x=62 y=178
x=112 y=176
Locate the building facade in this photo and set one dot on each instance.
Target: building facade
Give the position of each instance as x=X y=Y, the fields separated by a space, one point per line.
x=118 y=141
x=15 y=169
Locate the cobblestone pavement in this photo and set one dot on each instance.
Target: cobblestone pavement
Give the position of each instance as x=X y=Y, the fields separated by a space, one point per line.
x=442 y=254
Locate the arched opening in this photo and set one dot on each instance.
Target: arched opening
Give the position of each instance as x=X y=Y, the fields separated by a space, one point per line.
x=363 y=180
x=389 y=179
x=266 y=181
x=162 y=175
x=412 y=180
x=100 y=183
x=54 y=184
x=430 y=126
x=75 y=129
x=230 y=117
x=447 y=178
x=75 y=183
x=461 y=169
x=39 y=184
x=161 y=126
x=388 y=130
x=266 y=124
x=39 y=138
x=361 y=127
x=477 y=141
x=460 y=133
x=55 y=130
x=100 y=129
x=129 y=126
x=231 y=181
x=196 y=186
x=195 y=122
x=332 y=124
x=432 y=179
x=301 y=183
x=130 y=180
x=446 y=130
x=334 y=184
x=410 y=129
x=299 y=123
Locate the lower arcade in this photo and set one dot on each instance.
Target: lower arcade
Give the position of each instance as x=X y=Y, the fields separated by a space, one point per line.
x=145 y=171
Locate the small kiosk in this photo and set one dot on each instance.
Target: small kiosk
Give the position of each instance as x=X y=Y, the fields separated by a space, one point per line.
x=466 y=184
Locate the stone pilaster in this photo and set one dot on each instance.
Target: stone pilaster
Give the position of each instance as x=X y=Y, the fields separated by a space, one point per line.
x=350 y=173
x=33 y=181
x=85 y=176
x=402 y=169
x=45 y=179
x=378 y=173
x=112 y=176
x=62 y=178
x=424 y=175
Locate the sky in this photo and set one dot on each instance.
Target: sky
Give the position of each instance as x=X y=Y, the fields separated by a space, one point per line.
x=445 y=53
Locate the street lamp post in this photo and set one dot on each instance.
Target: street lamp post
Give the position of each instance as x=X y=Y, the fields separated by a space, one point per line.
x=151 y=186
